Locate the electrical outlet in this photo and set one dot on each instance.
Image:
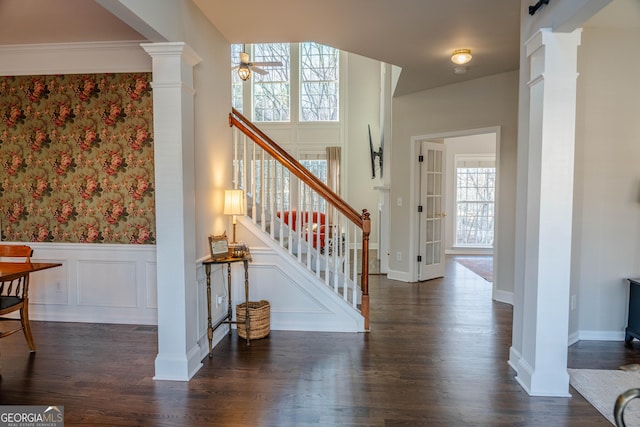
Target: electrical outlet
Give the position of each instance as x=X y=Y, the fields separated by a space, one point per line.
x=573 y=302
x=399 y=201
x=398 y=256
x=59 y=287
x=219 y=300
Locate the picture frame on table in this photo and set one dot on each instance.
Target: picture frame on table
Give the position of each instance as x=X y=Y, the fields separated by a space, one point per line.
x=219 y=246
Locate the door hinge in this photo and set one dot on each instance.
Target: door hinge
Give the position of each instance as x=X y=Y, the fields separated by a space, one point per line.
x=419 y=258
x=421 y=158
x=419 y=208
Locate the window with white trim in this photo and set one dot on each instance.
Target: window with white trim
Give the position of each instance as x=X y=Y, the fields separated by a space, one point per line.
x=236 y=82
x=475 y=201
x=305 y=89
x=319 y=82
x=272 y=91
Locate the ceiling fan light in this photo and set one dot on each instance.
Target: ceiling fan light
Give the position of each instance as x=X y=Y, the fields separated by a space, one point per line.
x=461 y=56
x=244 y=72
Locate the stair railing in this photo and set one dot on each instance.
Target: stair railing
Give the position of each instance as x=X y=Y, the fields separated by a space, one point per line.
x=302 y=214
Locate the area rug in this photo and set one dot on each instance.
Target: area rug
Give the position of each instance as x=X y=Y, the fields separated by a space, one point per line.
x=481 y=265
x=601 y=388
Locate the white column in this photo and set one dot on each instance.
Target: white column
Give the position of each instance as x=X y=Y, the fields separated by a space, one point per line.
x=542 y=366
x=173 y=125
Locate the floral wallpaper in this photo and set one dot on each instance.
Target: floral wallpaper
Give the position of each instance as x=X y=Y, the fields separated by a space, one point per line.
x=76 y=153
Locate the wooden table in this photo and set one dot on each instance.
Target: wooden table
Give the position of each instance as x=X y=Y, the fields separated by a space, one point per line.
x=228 y=318
x=11 y=270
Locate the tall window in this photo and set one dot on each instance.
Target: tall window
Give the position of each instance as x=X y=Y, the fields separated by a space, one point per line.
x=314 y=74
x=475 y=201
x=272 y=91
x=236 y=82
x=319 y=82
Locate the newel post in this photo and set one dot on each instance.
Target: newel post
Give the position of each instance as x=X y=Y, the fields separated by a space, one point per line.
x=366 y=229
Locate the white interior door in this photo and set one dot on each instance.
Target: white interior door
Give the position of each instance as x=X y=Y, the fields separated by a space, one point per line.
x=431 y=211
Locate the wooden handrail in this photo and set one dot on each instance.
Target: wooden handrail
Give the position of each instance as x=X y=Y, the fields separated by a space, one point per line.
x=362 y=221
x=238 y=120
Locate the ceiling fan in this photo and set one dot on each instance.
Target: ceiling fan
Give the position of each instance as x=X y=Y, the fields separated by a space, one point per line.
x=245 y=67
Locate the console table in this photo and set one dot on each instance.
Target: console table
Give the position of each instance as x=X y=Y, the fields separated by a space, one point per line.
x=228 y=318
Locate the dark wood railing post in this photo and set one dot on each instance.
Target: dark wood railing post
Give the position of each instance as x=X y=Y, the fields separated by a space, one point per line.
x=364 y=283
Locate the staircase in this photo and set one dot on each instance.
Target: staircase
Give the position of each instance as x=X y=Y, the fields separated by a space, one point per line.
x=301 y=218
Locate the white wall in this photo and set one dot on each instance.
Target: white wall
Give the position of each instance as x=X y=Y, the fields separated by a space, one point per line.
x=487 y=102
x=363 y=108
x=606 y=247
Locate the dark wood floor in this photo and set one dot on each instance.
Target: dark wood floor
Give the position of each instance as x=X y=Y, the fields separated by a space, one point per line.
x=436 y=356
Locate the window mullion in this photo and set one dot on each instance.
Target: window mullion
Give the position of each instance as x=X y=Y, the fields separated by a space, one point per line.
x=247 y=90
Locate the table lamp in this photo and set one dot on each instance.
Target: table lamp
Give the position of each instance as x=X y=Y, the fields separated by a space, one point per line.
x=234 y=205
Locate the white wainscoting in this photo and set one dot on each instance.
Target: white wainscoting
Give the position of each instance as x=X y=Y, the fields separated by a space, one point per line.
x=96 y=283
x=298 y=301
x=117 y=284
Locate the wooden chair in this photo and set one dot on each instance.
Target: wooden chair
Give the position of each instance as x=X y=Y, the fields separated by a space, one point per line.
x=14 y=293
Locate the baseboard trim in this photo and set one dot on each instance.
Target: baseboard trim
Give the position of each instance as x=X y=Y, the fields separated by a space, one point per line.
x=600 y=336
x=503 y=296
x=574 y=338
x=399 y=275
x=469 y=251
x=514 y=358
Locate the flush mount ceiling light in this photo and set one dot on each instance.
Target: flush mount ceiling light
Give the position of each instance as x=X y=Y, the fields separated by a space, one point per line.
x=461 y=56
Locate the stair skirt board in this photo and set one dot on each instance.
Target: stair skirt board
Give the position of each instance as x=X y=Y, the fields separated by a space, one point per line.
x=297 y=302
x=300 y=299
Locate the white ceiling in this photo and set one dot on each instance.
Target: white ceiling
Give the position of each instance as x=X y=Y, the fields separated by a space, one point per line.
x=417 y=35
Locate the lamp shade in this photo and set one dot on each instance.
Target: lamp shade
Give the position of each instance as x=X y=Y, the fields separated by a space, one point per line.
x=233 y=202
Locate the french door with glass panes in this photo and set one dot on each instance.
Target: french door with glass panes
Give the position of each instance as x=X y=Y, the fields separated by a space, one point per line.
x=431 y=211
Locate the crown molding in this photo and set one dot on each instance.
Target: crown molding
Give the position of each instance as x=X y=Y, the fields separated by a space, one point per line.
x=74 y=58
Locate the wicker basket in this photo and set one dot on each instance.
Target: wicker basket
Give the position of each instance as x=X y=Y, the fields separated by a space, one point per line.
x=259 y=319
